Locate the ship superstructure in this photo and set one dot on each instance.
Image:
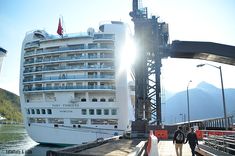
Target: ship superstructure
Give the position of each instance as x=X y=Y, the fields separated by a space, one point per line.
x=71 y=88
x=2 y=54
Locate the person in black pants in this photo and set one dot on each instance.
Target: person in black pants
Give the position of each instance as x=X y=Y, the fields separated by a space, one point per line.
x=178 y=140
x=192 y=140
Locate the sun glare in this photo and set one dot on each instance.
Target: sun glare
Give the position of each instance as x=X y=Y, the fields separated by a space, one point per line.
x=128 y=54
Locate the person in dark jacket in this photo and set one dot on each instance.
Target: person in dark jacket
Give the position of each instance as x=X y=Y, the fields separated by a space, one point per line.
x=178 y=140
x=192 y=140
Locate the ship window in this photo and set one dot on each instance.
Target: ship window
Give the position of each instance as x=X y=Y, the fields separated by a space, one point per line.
x=48 y=85
x=56 y=85
x=69 y=85
x=43 y=111
x=56 y=120
x=94 y=100
x=92 y=45
x=83 y=100
x=112 y=121
x=49 y=111
x=102 y=100
x=106 y=111
x=38 y=111
x=91 y=111
x=99 y=121
x=39 y=50
x=98 y=111
x=111 y=100
x=78 y=121
x=28 y=111
x=132 y=88
x=104 y=121
x=105 y=45
x=114 y=112
x=32 y=111
x=77 y=46
x=37 y=120
x=84 y=112
x=81 y=46
x=78 y=84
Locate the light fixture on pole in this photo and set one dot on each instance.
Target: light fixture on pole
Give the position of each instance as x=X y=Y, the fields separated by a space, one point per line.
x=222 y=89
x=188 y=103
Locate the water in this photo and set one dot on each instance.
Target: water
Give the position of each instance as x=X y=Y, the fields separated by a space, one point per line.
x=14 y=141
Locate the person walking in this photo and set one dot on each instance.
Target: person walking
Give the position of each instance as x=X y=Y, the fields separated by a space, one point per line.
x=192 y=140
x=178 y=140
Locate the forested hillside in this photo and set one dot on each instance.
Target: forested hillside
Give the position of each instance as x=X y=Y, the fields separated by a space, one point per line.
x=10 y=106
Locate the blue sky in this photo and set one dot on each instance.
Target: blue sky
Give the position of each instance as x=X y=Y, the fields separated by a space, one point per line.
x=197 y=20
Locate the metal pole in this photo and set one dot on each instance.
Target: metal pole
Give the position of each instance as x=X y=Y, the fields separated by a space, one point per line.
x=222 y=89
x=188 y=104
x=224 y=105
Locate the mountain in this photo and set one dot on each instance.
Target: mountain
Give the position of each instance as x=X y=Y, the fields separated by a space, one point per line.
x=10 y=106
x=205 y=101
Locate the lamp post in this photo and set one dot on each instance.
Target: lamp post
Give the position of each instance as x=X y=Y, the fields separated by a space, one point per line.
x=222 y=89
x=188 y=103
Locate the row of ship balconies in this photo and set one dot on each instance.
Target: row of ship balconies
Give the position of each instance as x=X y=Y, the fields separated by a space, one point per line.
x=66 y=68
x=68 y=58
x=62 y=49
x=69 y=77
x=61 y=88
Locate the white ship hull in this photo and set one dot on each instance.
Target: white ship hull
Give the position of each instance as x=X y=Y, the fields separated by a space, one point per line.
x=67 y=135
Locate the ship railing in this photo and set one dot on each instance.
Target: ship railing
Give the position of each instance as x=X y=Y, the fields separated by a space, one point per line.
x=34 y=44
x=69 y=67
x=69 y=58
x=220 y=140
x=72 y=48
x=70 y=77
x=92 y=87
x=104 y=36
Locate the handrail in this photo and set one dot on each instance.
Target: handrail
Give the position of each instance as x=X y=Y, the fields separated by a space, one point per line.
x=70 y=77
x=218 y=140
x=77 y=48
x=106 y=87
x=69 y=58
x=69 y=67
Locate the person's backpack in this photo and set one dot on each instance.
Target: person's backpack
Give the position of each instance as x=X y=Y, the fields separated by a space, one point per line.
x=180 y=137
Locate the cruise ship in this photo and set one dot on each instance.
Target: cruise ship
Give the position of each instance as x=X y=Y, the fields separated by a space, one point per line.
x=2 y=54
x=73 y=89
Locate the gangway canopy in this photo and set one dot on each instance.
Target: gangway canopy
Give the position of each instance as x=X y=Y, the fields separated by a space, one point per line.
x=203 y=50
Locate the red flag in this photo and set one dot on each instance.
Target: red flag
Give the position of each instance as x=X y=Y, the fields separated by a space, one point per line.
x=60 y=29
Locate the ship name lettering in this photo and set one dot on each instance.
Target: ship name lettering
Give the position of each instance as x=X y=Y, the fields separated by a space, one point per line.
x=70 y=105
x=55 y=105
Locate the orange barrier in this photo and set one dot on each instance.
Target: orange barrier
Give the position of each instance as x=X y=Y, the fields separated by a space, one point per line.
x=201 y=133
x=161 y=134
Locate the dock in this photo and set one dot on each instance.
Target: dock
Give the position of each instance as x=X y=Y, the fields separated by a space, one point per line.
x=131 y=147
x=120 y=147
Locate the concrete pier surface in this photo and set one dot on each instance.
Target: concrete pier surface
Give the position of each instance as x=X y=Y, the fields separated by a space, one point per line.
x=123 y=147
x=131 y=147
x=167 y=148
